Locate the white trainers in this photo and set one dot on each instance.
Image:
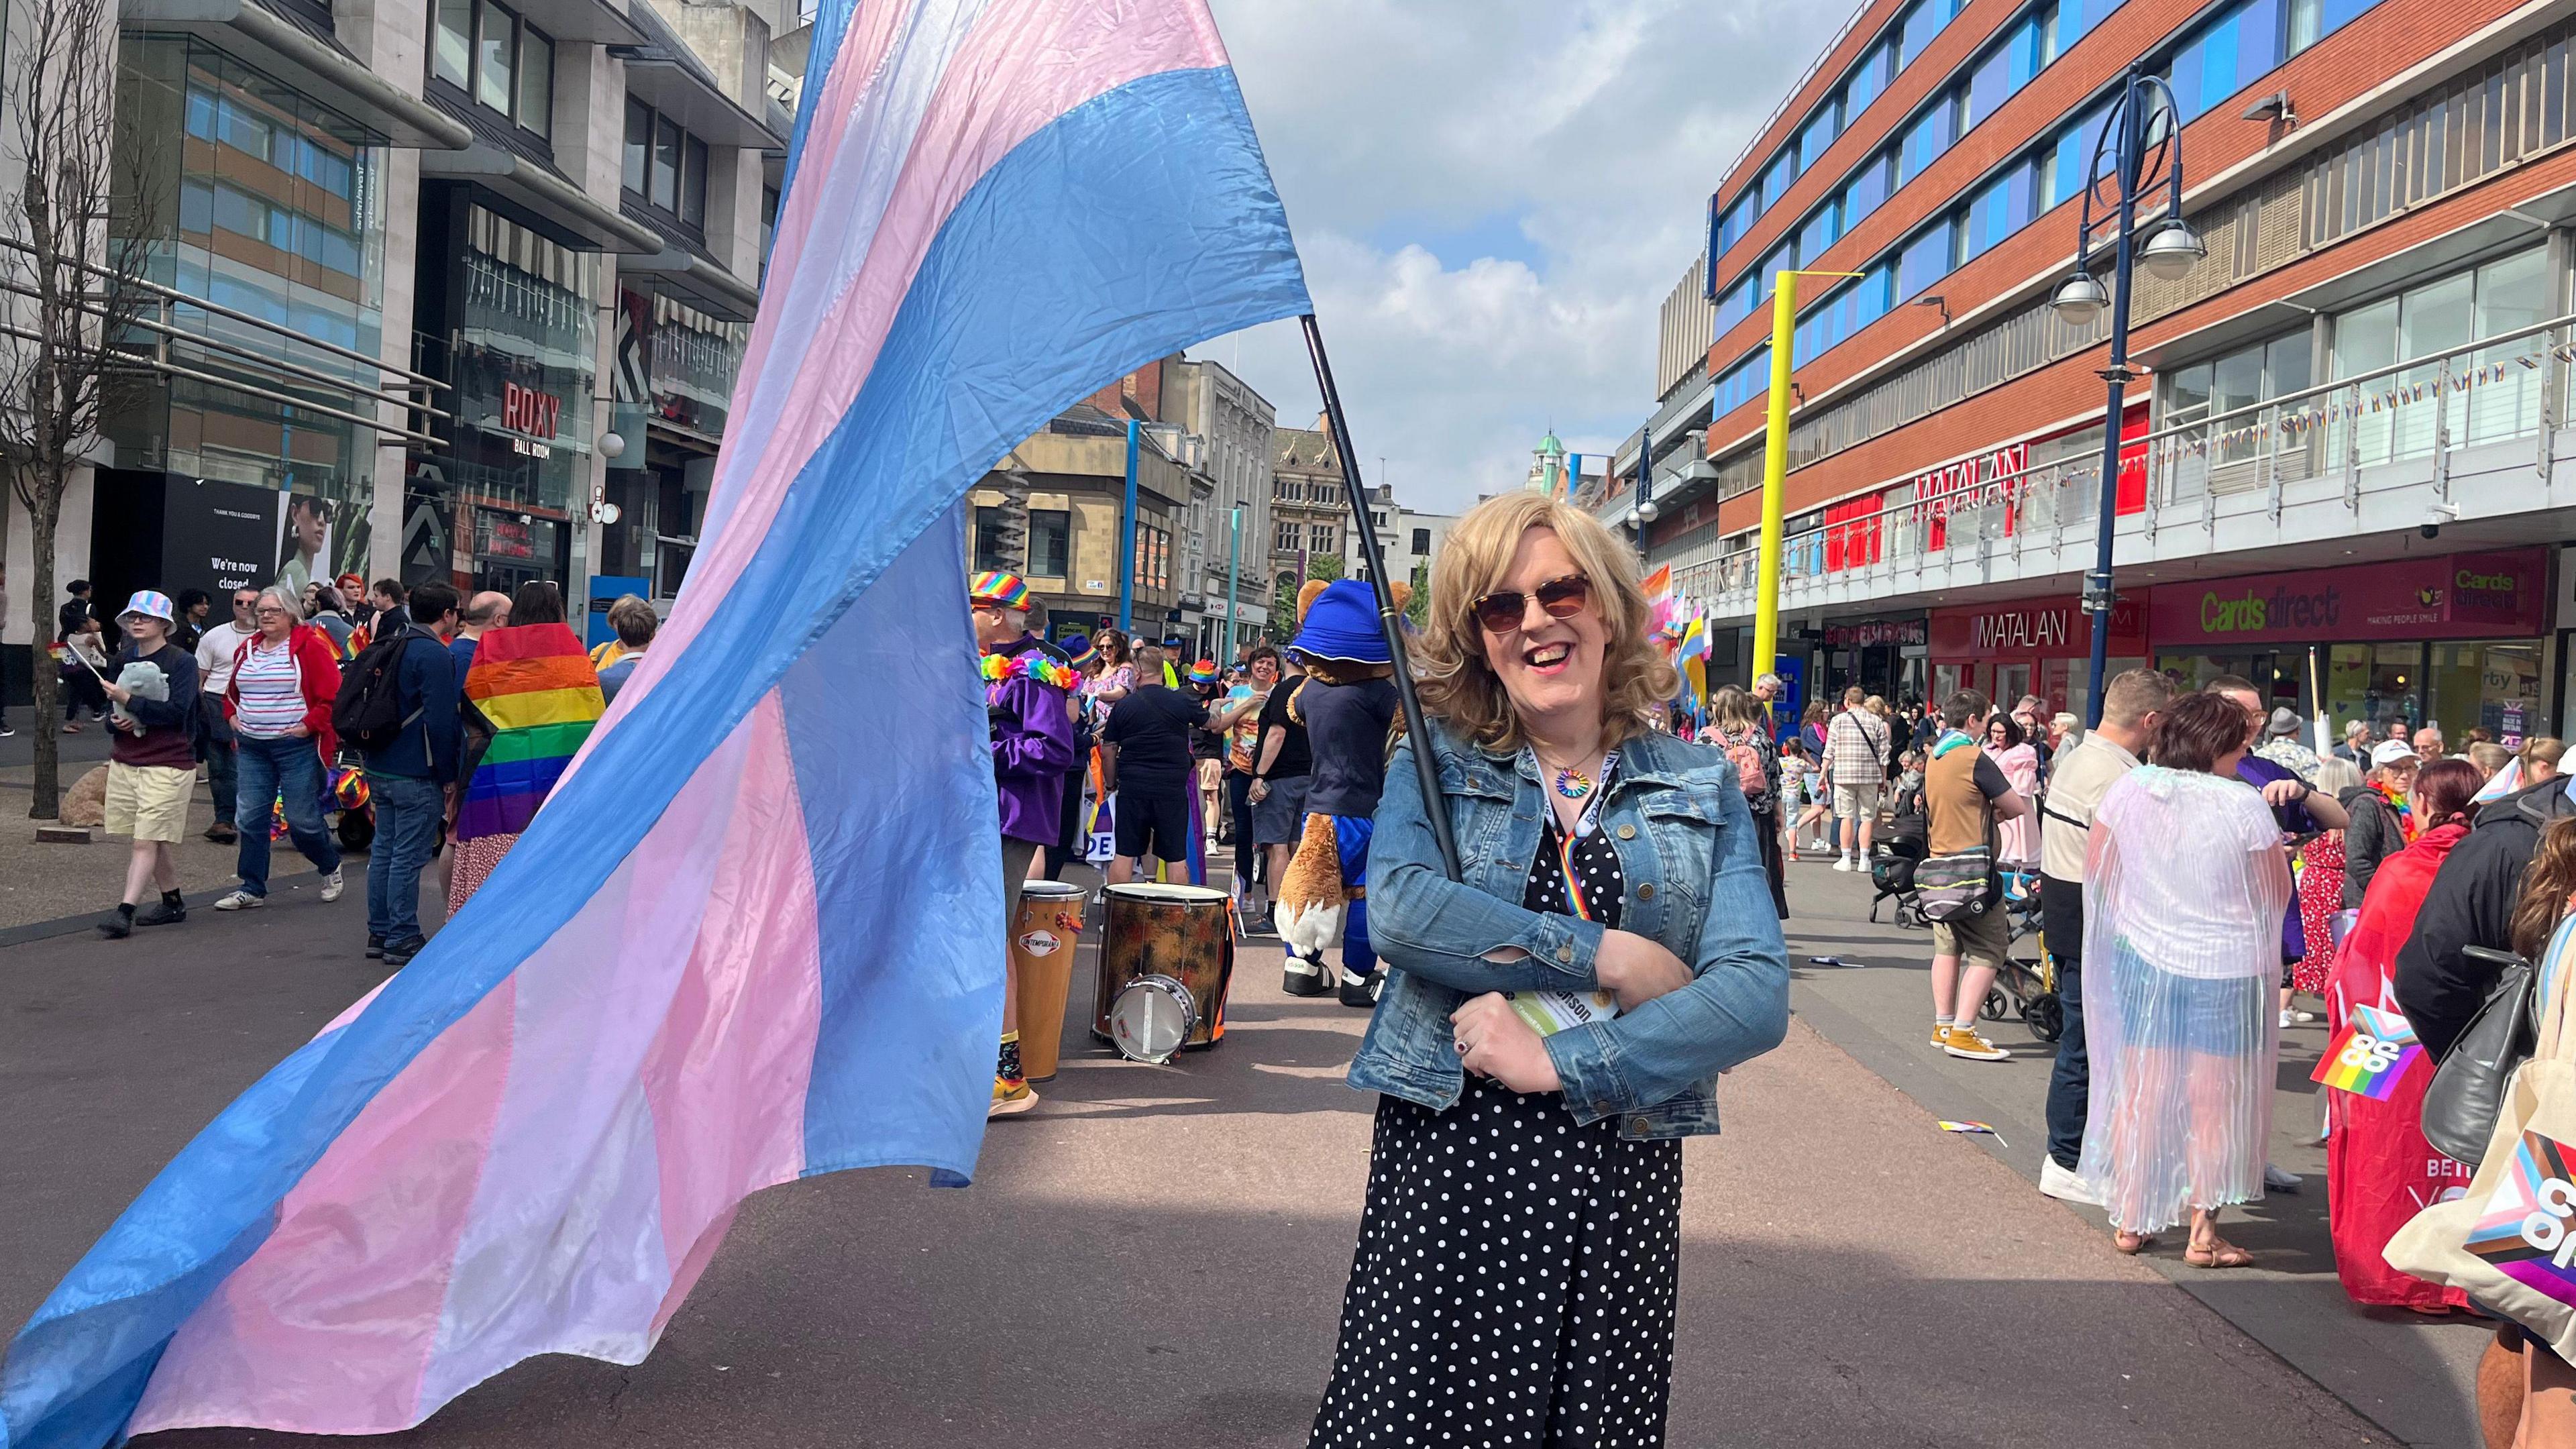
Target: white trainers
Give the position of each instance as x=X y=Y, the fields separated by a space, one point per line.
x=330 y=887
x=2281 y=1181
x=2065 y=1186
x=1842 y=862
x=2297 y=1018
x=241 y=901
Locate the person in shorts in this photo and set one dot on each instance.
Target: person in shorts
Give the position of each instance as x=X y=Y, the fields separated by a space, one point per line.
x=1147 y=746
x=152 y=766
x=1280 y=772
x=1964 y=795
x=1856 y=758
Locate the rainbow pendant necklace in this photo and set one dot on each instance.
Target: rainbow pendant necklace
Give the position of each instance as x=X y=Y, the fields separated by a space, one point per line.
x=1573 y=784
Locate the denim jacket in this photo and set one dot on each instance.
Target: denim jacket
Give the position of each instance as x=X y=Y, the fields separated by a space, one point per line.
x=1676 y=817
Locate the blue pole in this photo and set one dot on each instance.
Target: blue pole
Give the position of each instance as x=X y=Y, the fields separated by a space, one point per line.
x=1127 y=539
x=1233 y=567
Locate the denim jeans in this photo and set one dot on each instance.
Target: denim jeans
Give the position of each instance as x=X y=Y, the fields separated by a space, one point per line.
x=2070 y=1081
x=290 y=769
x=218 y=744
x=408 y=809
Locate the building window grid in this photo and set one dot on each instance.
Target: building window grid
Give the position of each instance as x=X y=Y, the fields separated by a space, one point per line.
x=500 y=61
x=2224 y=55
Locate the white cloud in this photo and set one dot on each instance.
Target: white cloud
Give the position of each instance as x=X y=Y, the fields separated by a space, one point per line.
x=1493 y=198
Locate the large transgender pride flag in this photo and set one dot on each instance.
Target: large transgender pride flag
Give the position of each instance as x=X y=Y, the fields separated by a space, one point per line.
x=757 y=933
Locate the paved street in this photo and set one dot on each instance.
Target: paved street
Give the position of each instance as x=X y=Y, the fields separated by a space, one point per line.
x=1156 y=1254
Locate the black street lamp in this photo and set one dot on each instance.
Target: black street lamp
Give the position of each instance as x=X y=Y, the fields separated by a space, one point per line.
x=2143 y=139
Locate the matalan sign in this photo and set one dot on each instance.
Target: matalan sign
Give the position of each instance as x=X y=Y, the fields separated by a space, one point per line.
x=1990 y=478
x=2021 y=629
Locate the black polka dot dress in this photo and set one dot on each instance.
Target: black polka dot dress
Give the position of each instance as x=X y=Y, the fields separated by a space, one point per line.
x=1515 y=1275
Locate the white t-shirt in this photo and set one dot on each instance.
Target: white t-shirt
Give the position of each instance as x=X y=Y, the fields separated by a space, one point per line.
x=2194 y=881
x=215 y=651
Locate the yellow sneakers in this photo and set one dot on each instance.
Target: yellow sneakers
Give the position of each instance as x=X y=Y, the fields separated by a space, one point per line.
x=1941 y=1034
x=1011 y=1094
x=1963 y=1041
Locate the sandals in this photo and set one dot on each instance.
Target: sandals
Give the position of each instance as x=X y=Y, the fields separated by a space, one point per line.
x=2132 y=1244
x=2217 y=1253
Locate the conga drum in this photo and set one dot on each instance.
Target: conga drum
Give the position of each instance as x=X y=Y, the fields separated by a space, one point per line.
x=1180 y=932
x=1043 y=933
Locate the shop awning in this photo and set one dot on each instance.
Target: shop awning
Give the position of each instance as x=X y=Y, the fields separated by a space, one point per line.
x=542 y=191
x=693 y=279
x=286 y=52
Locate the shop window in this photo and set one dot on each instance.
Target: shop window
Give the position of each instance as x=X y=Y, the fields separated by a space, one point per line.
x=451 y=49
x=1820 y=134
x=666 y=164
x=2003 y=72
x=536 y=106
x=1924 y=261
x=2379 y=683
x=2494 y=687
x=693 y=184
x=2001 y=209
x=639 y=145
x=1867 y=189
x=1866 y=80
x=990 y=533
x=1924 y=141
x=1050 y=543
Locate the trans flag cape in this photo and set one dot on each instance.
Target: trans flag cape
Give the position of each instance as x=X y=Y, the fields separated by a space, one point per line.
x=532 y=1138
x=534 y=683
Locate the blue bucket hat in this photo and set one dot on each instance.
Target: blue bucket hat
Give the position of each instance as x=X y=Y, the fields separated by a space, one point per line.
x=1078 y=649
x=1342 y=625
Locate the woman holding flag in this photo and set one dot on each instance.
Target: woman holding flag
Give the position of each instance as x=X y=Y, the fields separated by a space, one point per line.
x=1565 y=1010
x=531 y=699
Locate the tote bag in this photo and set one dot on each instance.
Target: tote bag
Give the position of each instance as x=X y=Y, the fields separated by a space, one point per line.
x=2510 y=1243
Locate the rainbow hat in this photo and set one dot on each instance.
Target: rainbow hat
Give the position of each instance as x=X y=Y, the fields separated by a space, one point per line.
x=1000 y=589
x=1079 y=651
x=1203 y=672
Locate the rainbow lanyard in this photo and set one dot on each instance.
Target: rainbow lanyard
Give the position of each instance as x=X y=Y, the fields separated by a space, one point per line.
x=1584 y=825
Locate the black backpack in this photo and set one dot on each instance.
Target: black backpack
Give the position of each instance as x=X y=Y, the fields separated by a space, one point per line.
x=368 y=711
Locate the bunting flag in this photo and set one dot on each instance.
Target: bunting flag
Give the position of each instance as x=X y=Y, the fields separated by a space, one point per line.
x=757 y=931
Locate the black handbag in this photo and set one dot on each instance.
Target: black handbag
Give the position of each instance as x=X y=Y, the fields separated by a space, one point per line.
x=2467 y=1093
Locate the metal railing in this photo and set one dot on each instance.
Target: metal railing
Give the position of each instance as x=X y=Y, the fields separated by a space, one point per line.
x=2494 y=390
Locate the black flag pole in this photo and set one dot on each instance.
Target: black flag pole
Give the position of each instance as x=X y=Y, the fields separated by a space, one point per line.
x=1426 y=772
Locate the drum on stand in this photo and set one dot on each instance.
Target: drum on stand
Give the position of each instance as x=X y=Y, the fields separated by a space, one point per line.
x=1044 y=931
x=1181 y=934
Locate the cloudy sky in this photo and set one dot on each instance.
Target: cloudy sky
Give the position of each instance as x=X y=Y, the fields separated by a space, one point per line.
x=1492 y=198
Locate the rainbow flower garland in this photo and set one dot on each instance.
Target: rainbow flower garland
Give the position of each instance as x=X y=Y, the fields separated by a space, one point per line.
x=1029 y=664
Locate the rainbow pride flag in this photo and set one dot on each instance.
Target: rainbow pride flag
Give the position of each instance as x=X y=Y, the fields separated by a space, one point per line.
x=535 y=684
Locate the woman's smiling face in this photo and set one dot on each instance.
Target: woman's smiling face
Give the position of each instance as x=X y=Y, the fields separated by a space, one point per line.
x=1549 y=666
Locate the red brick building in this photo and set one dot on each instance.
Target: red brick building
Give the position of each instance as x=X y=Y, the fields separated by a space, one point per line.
x=2358 y=393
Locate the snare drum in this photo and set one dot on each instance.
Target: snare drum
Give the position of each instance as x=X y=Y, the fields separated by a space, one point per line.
x=1185 y=933
x=1152 y=1018
x=1044 y=931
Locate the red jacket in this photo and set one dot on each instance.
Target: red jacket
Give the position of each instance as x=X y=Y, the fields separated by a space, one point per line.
x=317 y=675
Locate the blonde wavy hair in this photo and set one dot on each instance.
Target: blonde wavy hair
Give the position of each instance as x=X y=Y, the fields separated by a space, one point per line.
x=1456 y=683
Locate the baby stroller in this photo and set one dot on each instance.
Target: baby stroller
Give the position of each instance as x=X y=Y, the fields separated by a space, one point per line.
x=2025 y=986
x=1893 y=854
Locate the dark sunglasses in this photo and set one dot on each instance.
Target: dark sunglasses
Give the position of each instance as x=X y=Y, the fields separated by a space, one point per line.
x=1502 y=612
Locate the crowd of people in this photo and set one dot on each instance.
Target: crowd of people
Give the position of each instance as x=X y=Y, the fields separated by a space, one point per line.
x=445 y=721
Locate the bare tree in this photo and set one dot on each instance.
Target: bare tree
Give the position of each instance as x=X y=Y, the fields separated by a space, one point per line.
x=68 y=274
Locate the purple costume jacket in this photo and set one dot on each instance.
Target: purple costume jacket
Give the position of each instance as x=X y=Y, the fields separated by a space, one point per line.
x=1032 y=750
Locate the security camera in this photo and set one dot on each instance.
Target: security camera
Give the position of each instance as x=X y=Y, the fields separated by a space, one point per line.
x=2430 y=530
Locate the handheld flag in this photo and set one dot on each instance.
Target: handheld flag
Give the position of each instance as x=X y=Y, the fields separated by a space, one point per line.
x=532 y=1138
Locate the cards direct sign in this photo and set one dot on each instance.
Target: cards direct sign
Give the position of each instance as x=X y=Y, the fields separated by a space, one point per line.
x=2455 y=596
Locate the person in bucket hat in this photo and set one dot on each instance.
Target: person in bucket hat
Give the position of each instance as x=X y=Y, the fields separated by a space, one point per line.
x=1348 y=706
x=152 y=767
x=1025 y=694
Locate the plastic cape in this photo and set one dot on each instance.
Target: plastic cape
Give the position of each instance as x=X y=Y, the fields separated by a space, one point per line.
x=2185 y=885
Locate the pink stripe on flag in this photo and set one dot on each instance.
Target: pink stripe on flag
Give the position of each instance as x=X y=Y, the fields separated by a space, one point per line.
x=345 y=1293
x=563 y=1253
x=726 y=1079
x=1021 y=69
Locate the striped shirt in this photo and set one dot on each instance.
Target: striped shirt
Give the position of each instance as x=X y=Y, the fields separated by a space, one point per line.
x=272 y=691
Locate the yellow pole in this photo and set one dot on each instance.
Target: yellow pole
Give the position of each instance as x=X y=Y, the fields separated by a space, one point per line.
x=1775 y=474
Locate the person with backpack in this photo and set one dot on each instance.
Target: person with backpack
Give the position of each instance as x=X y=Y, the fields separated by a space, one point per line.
x=1964 y=796
x=1739 y=725
x=397 y=704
